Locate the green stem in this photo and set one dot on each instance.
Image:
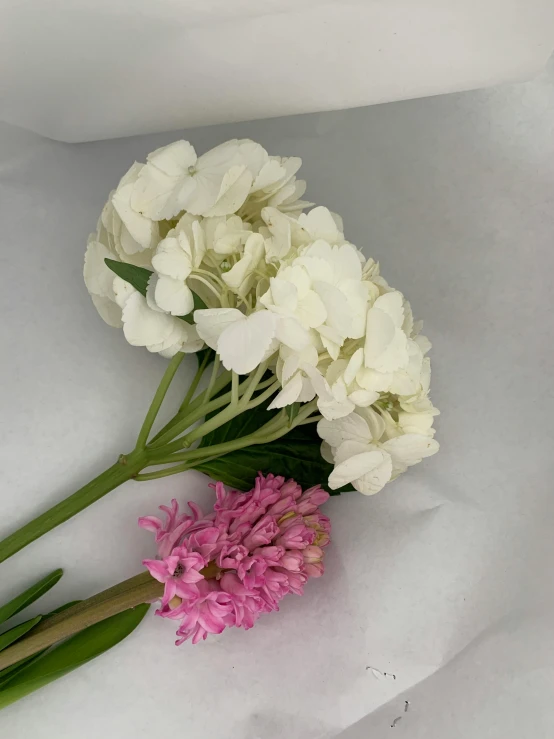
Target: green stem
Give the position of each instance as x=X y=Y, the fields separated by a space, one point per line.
x=124 y=469
x=169 y=431
x=196 y=411
x=158 y=399
x=128 y=594
x=234 y=389
x=227 y=415
x=213 y=378
x=166 y=472
x=194 y=383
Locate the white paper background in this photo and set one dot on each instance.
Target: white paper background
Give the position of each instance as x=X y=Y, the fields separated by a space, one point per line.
x=446 y=574
x=93 y=69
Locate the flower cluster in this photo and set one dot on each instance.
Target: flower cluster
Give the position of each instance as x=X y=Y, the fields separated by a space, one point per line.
x=281 y=287
x=229 y=567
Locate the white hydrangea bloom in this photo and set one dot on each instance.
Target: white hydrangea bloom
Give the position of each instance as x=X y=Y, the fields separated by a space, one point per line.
x=226 y=230
x=363 y=454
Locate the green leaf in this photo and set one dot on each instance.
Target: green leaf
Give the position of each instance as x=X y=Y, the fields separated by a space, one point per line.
x=292 y=411
x=242 y=425
x=29 y=596
x=138 y=277
x=296 y=455
x=8 y=637
x=8 y=672
x=70 y=654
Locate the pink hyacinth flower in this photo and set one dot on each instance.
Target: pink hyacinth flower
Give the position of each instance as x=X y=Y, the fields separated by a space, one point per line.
x=230 y=566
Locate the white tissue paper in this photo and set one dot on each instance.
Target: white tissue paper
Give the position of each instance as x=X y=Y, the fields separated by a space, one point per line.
x=439 y=590
x=93 y=69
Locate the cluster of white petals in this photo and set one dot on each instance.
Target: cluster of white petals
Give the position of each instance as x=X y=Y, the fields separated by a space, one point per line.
x=280 y=286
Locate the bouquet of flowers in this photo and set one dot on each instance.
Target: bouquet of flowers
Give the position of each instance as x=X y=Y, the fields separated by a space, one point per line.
x=312 y=379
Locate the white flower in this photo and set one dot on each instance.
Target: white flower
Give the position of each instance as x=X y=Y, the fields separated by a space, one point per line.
x=320 y=223
x=282 y=232
x=336 y=276
x=155 y=330
x=280 y=285
x=276 y=186
x=132 y=231
x=341 y=376
x=241 y=341
x=386 y=344
x=226 y=235
x=363 y=458
x=241 y=277
x=215 y=184
x=294 y=370
x=175 y=257
x=298 y=307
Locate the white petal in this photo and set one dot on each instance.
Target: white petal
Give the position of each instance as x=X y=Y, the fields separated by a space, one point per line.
x=240 y=277
x=363 y=398
x=393 y=305
x=142 y=229
x=351 y=428
x=327 y=452
x=339 y=315
x=354 y=365
x=320 y=384
x=122 y=291
x=369 y=471
x=243 y=344
x=127 y=243
x=386 y=346
x=311 y=311
x=215 y=162
x=171 y=259
x=109 y=311
x=423 y=343
x=233 y=191
x=151 y=293
x=282 y=294
x=98 y=276
x=374 y=421
x=211 y=323
x=279 y=225
x=142 y=326
x=173 y=296
x=410 y=449
x=416 y=423
x=318 y=268
x=292 y=334
x=333 y=409
x=253 y=155
x=199 y=241
x=158 y=195
x=289 y=394
x=270 y=173
x=357 y=296
x=290 y=366
x=307 y=393
x=370 y=379
x=174 y=159
x=351 y=448
x=320 y=224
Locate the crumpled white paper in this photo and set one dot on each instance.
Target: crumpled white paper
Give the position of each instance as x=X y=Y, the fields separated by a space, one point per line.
x=443 y=581
x=97 y=69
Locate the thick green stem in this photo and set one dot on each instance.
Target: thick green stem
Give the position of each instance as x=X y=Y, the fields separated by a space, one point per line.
x=124 y=469
x=139 y=589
